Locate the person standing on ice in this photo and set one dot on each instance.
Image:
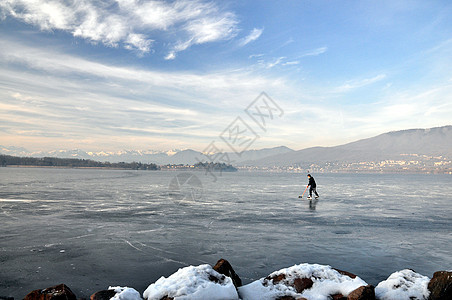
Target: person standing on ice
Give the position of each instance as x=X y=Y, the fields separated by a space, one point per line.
x=312 y=187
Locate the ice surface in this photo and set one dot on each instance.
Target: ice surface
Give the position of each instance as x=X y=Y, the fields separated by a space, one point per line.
x=125 y=228
x=125 y=293
x=401 y=285
x=327 y=281
x=193 y=283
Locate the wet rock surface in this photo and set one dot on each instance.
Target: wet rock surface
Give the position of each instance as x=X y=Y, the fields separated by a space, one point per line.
x=103 y=295
x=225 y=268
x=57 y=292
x=363 y=293
x=440 y=286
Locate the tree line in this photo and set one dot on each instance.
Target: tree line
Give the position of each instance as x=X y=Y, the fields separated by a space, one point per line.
x=8 y=160
x=211 y=166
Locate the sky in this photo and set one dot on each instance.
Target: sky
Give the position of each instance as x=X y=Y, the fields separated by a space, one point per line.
x=136 y=75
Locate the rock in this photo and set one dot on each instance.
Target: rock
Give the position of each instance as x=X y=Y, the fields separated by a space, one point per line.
x=404 y=284
x=216 y=279
x=224 y=267
x=366 y=292
x=302 y=284
x=440 y=286
x=338 y=297
x=58 y=292
x=103 y=295
x=285 y=298
x=276 y=278
x=311 y=281
x=167 y=298
x=201 y=282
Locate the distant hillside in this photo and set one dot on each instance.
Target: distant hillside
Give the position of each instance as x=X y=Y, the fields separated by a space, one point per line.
x=431 y=142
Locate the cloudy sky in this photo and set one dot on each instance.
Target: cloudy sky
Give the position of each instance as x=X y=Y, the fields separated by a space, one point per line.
x=128 y=74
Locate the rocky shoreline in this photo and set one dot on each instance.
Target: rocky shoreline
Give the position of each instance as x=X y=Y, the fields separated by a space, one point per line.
x=299 y=282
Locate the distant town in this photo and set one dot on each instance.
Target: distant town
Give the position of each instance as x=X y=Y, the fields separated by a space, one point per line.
x=409 y=163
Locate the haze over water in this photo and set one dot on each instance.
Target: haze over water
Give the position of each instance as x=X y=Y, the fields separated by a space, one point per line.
x=93 y=228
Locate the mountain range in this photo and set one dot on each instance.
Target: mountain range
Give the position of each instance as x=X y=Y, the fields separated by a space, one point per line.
x=432 y=142
x=186 y=156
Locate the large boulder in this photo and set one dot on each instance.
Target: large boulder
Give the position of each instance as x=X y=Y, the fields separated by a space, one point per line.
x=440 y=286
x=224 y=267
x=201 y=282
x=58 y=292
x=363 y=293
x=404 y=284
x=310 y=281
x=103 y=295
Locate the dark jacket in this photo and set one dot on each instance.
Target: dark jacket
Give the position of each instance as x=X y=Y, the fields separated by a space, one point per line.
x=312 y=182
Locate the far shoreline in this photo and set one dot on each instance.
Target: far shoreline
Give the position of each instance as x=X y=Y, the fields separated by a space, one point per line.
x=189 y=168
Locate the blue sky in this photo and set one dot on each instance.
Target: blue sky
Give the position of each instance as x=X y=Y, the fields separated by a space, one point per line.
x=161 y=75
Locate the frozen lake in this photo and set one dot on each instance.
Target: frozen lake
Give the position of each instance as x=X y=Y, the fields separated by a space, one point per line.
x=93 y=228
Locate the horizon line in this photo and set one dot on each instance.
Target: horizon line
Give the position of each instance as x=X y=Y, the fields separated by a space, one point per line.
x=191 y=149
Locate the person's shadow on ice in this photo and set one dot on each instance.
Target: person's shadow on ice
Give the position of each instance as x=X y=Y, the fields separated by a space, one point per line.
x=313 y=204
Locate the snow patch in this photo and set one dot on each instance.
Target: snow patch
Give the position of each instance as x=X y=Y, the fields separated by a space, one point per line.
x=405 y=284
x=125 y=293
x=201 y=282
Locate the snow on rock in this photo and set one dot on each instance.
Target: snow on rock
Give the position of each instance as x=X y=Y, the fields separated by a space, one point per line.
x=125 y=293
x=317 y=282
x=401 y=285
x=201 y=282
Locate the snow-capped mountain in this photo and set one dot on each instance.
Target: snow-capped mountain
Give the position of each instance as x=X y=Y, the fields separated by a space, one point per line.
x=176 y=156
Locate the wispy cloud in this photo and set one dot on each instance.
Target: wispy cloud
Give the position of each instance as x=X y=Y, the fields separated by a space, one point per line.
x=57 y=63
x=131 y=24
x=275 y=62
x=272 y=62
x=209 y=28
x=256 y=55
x=354 y=84
x=78 y=99
x=291 y=63
x=252 y=36
x=315 y=52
